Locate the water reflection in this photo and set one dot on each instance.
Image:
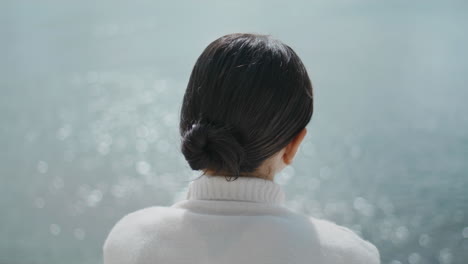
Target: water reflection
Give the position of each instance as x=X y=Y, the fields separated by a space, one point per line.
x=91 y=123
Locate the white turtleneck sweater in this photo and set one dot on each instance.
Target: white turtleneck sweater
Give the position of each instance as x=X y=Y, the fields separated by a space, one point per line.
x=238 y=222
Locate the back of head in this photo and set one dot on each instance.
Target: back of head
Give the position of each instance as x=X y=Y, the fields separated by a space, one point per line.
x=247 y=97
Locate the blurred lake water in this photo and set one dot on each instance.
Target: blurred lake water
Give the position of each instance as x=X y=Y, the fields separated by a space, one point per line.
x=90 y=98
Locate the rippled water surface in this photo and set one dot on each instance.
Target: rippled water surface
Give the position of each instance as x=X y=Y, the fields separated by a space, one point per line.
x=90 y=96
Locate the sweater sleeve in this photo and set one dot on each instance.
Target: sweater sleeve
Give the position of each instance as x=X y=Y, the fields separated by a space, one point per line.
x=365 y=253
x=121 y=245
x=342 y=245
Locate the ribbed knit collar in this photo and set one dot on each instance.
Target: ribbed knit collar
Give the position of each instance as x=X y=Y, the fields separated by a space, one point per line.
x=250 y=189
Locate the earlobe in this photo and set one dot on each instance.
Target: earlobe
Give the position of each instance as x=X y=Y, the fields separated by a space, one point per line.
x=292 y=148
x=286 y=159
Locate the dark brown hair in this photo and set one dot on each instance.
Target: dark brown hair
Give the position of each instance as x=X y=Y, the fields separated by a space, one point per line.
x=247 y=97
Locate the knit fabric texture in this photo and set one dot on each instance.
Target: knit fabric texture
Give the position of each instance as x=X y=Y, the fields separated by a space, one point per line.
x=243 y=221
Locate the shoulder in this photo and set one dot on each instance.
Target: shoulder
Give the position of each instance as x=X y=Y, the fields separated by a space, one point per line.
x=343 y=245
x=129 y=235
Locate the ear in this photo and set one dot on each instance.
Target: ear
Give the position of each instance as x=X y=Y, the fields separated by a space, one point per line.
x=293 y=146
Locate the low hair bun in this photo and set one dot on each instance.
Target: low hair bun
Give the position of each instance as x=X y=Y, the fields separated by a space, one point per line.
x=213 y=145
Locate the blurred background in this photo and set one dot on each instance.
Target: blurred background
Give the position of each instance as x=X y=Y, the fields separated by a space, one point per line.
x=90 y=97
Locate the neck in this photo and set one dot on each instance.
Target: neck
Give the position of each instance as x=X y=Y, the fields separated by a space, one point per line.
x=254 y=174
